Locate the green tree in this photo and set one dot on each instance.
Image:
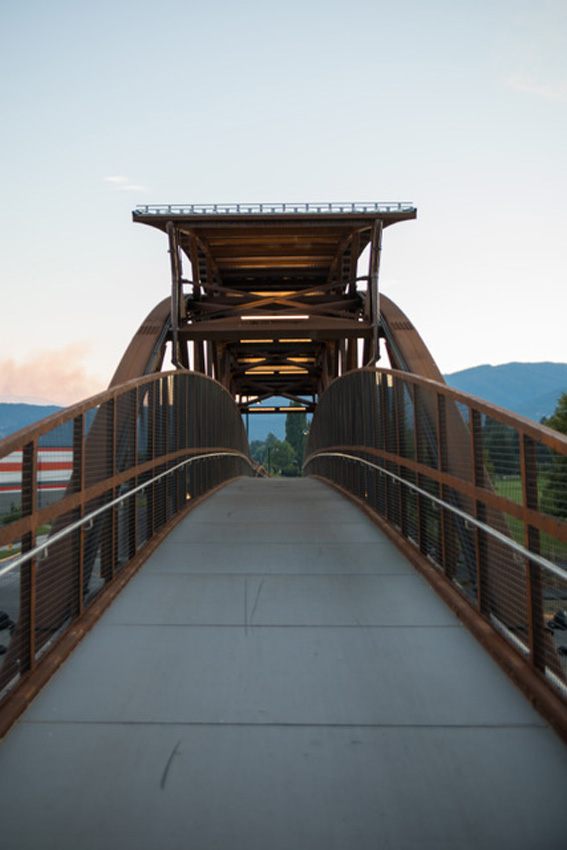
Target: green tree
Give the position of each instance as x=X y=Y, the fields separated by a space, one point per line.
x=558 y=419
x=296 y=432
x=257 y=450
x=554 y=496
x=274 y=455
x=282 y=455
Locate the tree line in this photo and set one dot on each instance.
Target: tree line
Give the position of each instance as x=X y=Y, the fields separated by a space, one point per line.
x=283 y=457
x=502 y=458
x=500 y=443
x=554 y=497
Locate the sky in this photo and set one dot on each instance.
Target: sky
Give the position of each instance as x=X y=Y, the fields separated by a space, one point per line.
x=459 y=106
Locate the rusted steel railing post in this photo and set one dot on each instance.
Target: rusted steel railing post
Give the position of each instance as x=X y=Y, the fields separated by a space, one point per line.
x=78 y=484
x=534 y=587
x=27 y=618
x=477 y=460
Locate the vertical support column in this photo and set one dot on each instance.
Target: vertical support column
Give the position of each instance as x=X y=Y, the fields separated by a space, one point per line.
x=210 y=273
x=373 y=309
x=210 y=365
x=224 y=365
x=195 y=273
x=176 y=289
x=199 y=355
x=354 y=252
x=352 y=354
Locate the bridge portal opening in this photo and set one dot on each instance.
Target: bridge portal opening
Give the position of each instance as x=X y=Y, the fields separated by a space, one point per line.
x=274 y=301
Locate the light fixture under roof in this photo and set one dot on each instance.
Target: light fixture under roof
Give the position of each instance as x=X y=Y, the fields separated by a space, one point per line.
x=278 y=317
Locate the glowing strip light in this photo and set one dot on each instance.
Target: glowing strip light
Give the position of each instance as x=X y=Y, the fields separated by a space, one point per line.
x=276 y=293
x=283 y=370
x=258 y=409
x=277 y=318
x=279 y=368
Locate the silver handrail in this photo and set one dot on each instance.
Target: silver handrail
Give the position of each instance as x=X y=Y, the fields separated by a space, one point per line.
x=59 y=535
x=507 y=541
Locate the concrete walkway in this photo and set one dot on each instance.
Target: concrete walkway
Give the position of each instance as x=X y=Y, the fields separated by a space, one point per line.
x=277 y=676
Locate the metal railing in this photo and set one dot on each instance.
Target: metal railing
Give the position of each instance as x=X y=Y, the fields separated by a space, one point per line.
x=85 y=490
x=265 y=208
x=477 y=492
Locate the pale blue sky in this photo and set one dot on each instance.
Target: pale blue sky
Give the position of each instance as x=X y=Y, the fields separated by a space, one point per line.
x=457 y=105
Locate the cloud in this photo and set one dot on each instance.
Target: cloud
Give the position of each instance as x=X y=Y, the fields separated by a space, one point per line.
x=532 y=49
x=528 y=85
x=124 y=184
x=58 y=375
x=134 y=187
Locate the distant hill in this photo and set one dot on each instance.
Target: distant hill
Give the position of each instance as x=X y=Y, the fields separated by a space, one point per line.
x=14 y=416
x=531 y=389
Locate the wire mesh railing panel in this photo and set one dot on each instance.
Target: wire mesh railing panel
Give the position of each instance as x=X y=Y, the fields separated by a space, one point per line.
x=9 y=601
x=54 y=465
x=552 y=483
x=128 y=461
x=554 y=604
x=10 y=487
x=479 y=492
x=501 y=457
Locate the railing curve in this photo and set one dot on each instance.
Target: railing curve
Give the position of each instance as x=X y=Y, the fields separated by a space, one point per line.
x=478 y=493
x=84 y=491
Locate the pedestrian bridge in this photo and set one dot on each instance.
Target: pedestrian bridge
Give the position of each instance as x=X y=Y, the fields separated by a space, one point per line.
x=278 y=675
x=372 y=655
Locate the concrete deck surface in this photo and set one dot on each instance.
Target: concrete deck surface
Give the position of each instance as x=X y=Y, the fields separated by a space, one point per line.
x=278 y=676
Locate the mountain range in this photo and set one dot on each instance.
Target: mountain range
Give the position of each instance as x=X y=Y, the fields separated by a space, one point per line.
x=15 y=415
x=531 y=389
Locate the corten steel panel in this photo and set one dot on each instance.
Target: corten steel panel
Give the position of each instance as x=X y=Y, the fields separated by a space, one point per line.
x=291 y=704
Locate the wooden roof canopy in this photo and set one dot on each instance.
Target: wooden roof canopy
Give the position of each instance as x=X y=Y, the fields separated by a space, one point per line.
x=267 y=298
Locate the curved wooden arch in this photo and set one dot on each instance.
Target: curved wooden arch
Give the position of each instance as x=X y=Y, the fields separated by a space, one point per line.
x=144 y=355
x=406 y=349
